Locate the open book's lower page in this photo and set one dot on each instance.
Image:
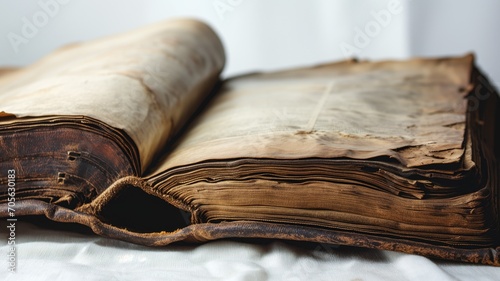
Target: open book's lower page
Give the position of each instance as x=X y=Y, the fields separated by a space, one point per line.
x=395 y=155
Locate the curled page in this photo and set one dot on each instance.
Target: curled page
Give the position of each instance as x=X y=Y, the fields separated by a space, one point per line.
x=145 y=82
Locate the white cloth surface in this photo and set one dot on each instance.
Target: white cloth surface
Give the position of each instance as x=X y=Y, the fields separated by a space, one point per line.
x=44 y=253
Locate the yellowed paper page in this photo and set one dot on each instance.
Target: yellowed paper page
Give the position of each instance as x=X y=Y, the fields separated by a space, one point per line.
x=411 y=111
x=146 y=82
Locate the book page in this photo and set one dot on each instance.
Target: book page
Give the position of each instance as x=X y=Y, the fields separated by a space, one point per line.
x=412 y=112
x=377 y=148
x=146 y=82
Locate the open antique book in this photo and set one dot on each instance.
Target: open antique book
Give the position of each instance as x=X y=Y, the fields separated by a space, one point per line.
x=136 y=137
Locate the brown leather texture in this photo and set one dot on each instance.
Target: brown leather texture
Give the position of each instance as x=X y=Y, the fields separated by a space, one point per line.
x=197 y=233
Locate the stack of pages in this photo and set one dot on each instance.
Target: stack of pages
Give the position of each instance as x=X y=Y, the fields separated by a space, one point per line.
x=137 y=137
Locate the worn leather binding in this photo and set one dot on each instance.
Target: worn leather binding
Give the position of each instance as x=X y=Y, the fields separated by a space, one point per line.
x=121 y=135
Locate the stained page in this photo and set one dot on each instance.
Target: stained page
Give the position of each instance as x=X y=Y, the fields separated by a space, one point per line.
x=146 y=82
x=412 y=111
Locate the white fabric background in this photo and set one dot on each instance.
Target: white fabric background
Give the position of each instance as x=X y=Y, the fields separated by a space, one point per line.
x=258 y=35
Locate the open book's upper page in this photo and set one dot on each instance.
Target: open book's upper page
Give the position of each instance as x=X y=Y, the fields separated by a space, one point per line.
x=412 y=111
x=146 y=82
